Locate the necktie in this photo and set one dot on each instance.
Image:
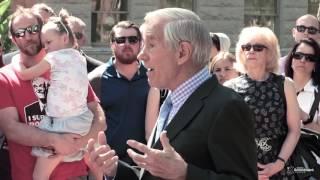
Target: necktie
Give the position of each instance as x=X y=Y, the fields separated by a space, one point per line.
x=163 y=116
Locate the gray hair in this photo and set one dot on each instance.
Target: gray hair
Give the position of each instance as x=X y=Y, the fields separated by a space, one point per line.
x=184 y=25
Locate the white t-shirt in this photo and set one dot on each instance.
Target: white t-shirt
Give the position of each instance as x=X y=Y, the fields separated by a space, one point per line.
x=67 y=94
x=306 y=98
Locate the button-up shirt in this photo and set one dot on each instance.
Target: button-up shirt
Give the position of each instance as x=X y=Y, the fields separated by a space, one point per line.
x=184 y=91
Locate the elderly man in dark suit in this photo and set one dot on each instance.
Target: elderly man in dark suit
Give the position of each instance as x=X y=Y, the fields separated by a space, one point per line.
x=204 y=130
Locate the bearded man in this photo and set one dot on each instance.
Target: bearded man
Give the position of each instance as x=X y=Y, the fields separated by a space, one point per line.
x=122 y=86
x=22 y=107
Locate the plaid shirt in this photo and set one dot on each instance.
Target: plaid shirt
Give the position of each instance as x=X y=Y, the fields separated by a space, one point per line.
x=184 y=91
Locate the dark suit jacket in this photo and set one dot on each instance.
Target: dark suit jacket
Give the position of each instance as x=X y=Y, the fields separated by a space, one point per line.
x=213 y=132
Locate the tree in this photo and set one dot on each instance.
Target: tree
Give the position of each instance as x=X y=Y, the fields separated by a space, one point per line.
x=4 y=20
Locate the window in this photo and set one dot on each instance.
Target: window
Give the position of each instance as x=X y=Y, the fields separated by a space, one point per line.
x=313 y=6
x=260 y=13
x=105 y=14
x=187 y=4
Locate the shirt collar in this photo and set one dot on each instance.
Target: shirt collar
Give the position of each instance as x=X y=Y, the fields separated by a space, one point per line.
x=309 y=86
x=183 y=91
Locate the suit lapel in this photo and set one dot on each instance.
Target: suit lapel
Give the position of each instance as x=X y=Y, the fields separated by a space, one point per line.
x=188 y=110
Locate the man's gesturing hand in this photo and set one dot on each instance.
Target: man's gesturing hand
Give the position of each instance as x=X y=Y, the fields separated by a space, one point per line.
x=165 y=163
x=100 y=158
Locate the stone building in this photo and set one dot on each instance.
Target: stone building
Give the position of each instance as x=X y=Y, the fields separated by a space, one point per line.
x=228 y=16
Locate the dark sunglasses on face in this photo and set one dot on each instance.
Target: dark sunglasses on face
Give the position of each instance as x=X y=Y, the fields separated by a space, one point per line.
x=310 y=30
x=256 y=47
x=34 y=29
x=78 y=35
x=122 y=40
x=307 y=57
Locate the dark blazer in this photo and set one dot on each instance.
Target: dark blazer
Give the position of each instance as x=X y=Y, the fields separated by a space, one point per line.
x=213 y=132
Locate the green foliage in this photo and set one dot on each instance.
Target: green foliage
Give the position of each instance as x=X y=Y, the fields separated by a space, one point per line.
x=4 y=20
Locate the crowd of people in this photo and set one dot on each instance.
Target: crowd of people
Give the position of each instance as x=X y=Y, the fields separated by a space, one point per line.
x=171 y=103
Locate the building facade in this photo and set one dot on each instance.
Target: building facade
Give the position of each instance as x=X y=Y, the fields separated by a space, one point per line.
x=228 y=16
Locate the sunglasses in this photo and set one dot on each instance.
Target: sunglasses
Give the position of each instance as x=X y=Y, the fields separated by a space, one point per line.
x=310 y=30
x=256 y=47
x=307 y=57
x=34 y=29
x=122 y=40
x=78 y=35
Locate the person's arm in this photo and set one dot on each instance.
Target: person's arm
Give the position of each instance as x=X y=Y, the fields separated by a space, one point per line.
x=24 y=134
x=293 y=121
x=152 y=110
x=34 y=71
x=20 y=132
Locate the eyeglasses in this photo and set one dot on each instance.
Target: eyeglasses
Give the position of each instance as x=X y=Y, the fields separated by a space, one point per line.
x=310 y=30
x=256 y=47
x=78 y=35
x=307 y=57
x=34 y=29
x=122 y=40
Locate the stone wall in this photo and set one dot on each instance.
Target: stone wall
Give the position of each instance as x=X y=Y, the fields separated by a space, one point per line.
x=220 y=16
x=289 y=11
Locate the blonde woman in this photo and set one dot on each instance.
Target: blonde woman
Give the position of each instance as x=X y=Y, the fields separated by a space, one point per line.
x=272 y=99
x=223 y=66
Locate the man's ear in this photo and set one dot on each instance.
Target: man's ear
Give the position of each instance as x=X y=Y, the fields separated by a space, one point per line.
x=184 y=51
x=13 y=40
x=112 y=45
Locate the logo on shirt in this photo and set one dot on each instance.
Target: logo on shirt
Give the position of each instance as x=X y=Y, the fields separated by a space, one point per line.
x=34 y=112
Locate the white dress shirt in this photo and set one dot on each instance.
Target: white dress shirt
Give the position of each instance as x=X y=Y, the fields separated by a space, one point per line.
x=306 y=98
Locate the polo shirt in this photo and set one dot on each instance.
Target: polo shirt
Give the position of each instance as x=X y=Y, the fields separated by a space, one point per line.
x=124 y=103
